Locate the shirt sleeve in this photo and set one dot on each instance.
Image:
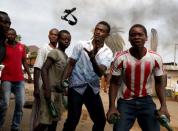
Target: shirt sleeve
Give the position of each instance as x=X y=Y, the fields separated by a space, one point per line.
x=40 y=59
x=107 y=59
x=158 y=66
x=76 y=51
x=53 y=54
x=117 y=66
x=23 y=51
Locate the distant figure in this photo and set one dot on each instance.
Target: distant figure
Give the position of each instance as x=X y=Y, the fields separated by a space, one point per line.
x=176 y=91
x=37 y=117
x=87 y=64
x=4 y=27
x=52 y=73
x=130 y=84
x=13 y=79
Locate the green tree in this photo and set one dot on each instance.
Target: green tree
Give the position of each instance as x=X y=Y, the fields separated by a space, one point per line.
x=27 y=49
x=18 y=38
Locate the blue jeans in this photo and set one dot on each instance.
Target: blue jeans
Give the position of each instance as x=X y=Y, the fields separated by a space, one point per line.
x=19 y=91
x=142 y=109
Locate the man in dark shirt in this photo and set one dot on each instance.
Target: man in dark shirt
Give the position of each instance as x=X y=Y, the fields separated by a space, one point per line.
x=4 y=27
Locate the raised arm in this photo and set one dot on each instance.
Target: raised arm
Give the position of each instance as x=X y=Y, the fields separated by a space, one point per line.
x=99 y=69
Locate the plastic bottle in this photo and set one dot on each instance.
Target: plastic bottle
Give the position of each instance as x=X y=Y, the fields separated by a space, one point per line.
x=113 y=118
x=61 y=88
x=164 y=121
x=52 y=109
x=65 y=83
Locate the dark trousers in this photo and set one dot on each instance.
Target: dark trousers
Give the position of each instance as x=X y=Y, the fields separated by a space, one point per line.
x=142 y=109
x=93 y=104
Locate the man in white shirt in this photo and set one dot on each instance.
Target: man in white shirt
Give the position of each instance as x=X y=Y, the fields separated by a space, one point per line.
x=41 y=58
x=87 y=64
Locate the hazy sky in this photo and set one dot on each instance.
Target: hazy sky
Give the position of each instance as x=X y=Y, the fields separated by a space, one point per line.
x=34 y=18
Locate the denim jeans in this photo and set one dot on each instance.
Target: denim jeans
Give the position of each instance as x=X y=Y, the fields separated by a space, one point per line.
x=142 y=109
x=19 y=92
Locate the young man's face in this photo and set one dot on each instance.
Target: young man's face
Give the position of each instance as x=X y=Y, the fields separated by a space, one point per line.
x=11 y=35
x=53 y=36
x=100 y=32
x=64 y=40
x=137 y=37
x=4 y=23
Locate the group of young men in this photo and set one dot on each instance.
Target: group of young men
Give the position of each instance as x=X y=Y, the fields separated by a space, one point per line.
x=130 y=83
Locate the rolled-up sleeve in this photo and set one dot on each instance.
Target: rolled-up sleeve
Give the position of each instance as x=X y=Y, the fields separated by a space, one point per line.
x=158 y=66
x=40 y=58
x=76 y=51
x=107 y=59
x=117 y=66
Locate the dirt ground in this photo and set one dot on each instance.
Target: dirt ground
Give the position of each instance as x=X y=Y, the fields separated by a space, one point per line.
x=85 y=123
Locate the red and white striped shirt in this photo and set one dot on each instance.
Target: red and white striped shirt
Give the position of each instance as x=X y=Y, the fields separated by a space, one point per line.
x=136 y=74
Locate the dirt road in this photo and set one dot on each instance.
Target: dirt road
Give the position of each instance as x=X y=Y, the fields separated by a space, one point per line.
x=85 y=123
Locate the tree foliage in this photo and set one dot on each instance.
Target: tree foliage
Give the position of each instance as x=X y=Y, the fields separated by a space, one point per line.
x=18 y=38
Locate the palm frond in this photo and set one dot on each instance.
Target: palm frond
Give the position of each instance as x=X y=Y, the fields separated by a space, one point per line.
x=115 y=41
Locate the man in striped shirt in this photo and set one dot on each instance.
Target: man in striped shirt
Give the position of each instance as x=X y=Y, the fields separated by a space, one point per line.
x=131 y=84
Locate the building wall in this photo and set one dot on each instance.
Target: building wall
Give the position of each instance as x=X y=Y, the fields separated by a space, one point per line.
x=172 y=78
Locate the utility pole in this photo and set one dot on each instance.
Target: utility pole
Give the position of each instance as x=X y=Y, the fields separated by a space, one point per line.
x=175 y=54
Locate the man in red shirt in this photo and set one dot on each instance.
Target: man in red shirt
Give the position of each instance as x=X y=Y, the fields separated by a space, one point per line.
x=13 y=80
